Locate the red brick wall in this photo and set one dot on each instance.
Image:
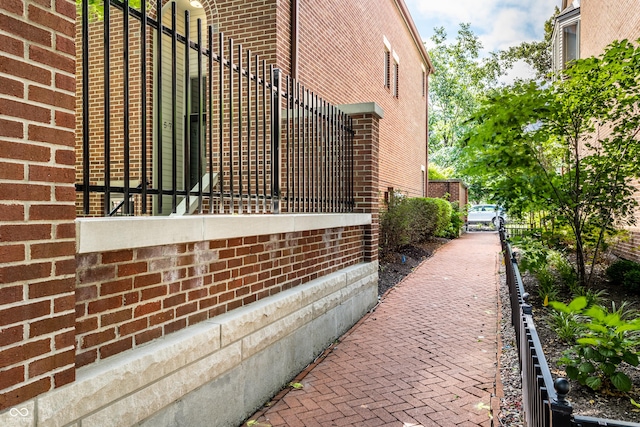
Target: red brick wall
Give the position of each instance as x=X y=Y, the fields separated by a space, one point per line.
x=600 y=24
x=366 y=151
x=341 y=57
x=37 y=233
x=603 y=22
x=455 y=189
x=126 y=298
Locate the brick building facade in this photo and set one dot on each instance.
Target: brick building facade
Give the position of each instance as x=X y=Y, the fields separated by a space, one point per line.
x=102 y=317
x=592 y=25
x=454 y=190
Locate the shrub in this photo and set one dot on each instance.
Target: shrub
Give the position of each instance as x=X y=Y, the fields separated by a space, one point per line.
x=422 y=219
x=631 y=281
x=443 y=218
x=533 y=254
x=564 y=268
x=566 y=325
x=617 y=270
x=412 y=220
x=456 y=223
x=606 y=339
x=394 y=225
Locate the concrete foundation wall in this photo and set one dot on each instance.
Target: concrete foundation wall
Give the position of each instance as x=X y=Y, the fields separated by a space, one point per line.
x=217 y=372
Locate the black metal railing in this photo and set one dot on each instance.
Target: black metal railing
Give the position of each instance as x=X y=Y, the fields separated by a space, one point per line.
x=521 y=230
x=207 y=125
x=543 y=398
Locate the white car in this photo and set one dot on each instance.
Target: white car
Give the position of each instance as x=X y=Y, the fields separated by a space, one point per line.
x=486 y=214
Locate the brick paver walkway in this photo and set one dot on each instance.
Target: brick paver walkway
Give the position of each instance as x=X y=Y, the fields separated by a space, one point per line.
x=425 y=357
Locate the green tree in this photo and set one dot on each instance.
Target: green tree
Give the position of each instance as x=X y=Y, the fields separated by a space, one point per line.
x=454 y=91
x=569 y=146
x=96 y=7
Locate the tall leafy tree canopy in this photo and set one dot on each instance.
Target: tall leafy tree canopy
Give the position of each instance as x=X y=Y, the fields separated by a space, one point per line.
x=569 y=146
x=454 y=91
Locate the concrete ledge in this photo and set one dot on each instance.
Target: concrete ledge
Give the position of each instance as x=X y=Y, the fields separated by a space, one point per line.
x=233 y=363
x=362 y=108
x=110 y=234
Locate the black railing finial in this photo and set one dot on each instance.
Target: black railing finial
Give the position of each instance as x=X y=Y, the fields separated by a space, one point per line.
x=526 y=307
x=562 y=387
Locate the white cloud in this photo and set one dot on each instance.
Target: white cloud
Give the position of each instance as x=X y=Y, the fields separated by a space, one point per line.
x=520 y=70
x=498 y=23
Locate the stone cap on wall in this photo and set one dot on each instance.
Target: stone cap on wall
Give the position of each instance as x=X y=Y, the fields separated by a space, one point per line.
x=362 y=108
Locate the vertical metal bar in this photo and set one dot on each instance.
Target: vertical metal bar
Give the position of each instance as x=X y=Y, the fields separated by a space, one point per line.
x=298 y=141
x=210 y=112
x=186 y=142
x=221 y=120
x=316 y=169
x=264 y=135
x=126 y=107
x=257 y=132
x=351 y=154
x=200 y=114
x=288 y=161
x=231 y=170
x=158 y=107
x=107 y=106
x=240 y=207
x=327 y=166
x=310 y=149
x=345 y=162
x=312 y=182
x=276 y=139
x=85 y=105
x=174 y=109
x=333 y=159
x=143 y=105
x=323 y=142
x=304 y=183
x=339 y=159
x=249 y=131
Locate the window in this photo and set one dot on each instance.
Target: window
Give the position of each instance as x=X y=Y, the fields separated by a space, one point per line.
x=387 y=62
x=387 y=69
x=396 y=78
x=569 y=44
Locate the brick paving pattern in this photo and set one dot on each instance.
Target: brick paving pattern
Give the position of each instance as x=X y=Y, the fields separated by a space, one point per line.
x=425 y=357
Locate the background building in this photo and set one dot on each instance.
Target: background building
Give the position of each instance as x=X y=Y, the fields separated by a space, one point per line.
x=155 y=319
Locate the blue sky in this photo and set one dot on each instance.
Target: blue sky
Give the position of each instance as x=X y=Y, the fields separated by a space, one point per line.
x=498 y=23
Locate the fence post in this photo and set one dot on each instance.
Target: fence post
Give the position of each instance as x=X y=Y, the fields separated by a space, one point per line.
x=276 y=139
x=561 y=410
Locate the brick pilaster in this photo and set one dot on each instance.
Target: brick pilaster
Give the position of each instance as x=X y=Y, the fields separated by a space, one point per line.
x=37 y=195
x=366 y=124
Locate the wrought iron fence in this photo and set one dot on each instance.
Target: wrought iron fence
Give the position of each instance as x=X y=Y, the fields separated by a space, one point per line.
x=543 y=398
x=176 y=119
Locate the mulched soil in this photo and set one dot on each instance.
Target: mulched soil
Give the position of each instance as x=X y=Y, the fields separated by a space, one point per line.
x=396 y=266
x=511 y=401
x=610 y=404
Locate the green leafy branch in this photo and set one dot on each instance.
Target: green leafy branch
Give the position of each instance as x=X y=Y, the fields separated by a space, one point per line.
x=606 y=339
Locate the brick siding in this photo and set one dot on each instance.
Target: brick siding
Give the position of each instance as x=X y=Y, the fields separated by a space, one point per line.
x=455 y=189
x=350 y=69
x=59 y=312
x=37 y=195
x=127 y=298
x=600 y=24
